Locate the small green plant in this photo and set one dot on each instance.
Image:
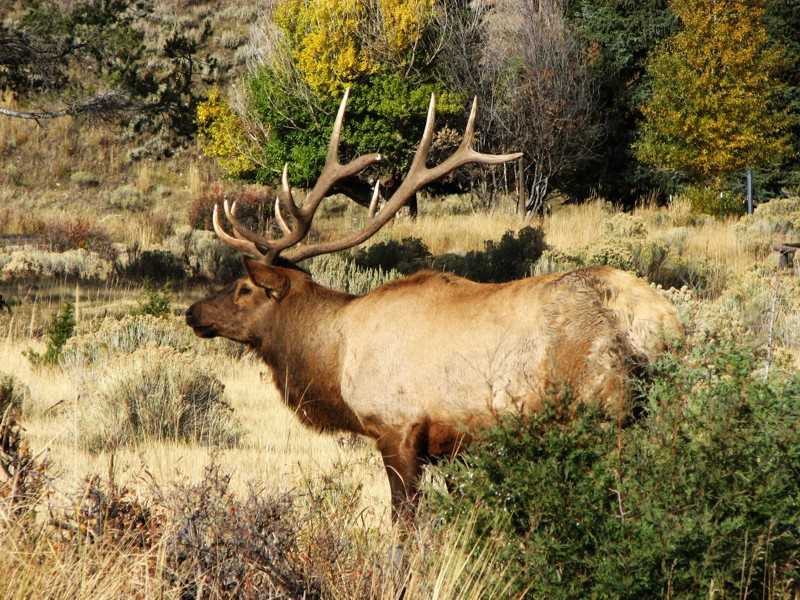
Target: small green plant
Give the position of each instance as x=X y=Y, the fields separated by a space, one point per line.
x=13 y=392
x=60 y=329
x=156 y=302
x=708 y=201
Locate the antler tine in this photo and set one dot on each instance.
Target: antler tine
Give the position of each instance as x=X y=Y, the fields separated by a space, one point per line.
x=417 y=177
x=421 y=155
x=373 y=203
x=243 y=246
x=333 y=145
x=285 y=195
x=279 y=218
x=469 y=130
x=265 y=247
x=333 y=169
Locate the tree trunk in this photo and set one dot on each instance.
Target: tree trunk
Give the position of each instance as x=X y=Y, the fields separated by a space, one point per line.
x=520 y=187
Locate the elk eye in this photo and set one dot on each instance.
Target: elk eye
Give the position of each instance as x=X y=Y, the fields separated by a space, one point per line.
x=243 y=291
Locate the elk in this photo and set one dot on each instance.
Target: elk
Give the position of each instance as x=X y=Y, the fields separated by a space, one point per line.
x=424 y=362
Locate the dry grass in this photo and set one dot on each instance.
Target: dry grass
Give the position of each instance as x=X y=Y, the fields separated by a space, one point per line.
x=276 y=449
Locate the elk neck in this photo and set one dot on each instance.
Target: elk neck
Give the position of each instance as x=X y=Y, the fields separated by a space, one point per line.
x=301 y=346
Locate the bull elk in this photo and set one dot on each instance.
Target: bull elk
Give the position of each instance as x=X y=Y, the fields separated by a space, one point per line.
x=424 y=361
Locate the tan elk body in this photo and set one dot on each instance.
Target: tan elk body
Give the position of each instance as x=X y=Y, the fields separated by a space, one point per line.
x=421 y=363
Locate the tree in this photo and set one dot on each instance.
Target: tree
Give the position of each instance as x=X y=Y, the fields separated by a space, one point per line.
x=716 y=105
x=618 y=35
x=94 y=59
x=537 y=81
x=307 y=52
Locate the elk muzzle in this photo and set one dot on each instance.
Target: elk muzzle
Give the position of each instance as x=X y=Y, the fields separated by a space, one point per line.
x=195 y=320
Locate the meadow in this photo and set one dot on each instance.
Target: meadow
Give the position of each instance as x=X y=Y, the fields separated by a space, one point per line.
x=114 y=458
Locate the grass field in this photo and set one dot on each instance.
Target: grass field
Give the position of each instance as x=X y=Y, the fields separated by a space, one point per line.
x=740 y=287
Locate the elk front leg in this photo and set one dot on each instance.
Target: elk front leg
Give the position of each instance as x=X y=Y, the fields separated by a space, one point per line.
x=402 y=457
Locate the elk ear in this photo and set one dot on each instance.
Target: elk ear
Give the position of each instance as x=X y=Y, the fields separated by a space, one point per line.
x=268 y=278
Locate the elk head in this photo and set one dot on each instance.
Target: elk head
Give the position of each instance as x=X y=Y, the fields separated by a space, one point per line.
x=241 y=309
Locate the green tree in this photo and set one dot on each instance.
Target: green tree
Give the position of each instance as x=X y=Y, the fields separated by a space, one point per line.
x=617 y=36
x=103 y=59
x=716 y=104
x=311 y=51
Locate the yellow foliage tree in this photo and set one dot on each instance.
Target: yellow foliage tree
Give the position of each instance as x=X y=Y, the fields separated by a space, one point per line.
x=716 y=104
x=335 y=42
x=222 y=136
x=404 y=22
x=325 y=35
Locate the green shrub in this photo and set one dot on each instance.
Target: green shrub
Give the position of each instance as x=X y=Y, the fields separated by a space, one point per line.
x=698 y=498
x=13 y=393
x=406 y=256
x=155 y=302
x=555 y=261
x=125 y=336
x=155 y=266
x=511 y=258
x=60 y=329
x=203 y=256
x=708 y=201
x=341 y=273
x=30 y=264
x=612 y=252
x=623 y=225
x=157 y=394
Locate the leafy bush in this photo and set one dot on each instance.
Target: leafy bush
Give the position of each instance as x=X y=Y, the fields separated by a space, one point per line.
x=406 y=256
x=71 y=234
x=623 y=225
x=555 y=261
x=222 y=135
x=155 y=266
x=698 y=497
x=155 y=302
x=125 y=336
x=511 y=258
x=60 y=329
x=40 y=264
x=204 y=256
x=708 y=201
x=614 y=253
x=159 y=395
x=778 y=217
x=13 y=393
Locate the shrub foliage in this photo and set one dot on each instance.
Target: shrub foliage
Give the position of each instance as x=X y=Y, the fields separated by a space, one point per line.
x=699 y=497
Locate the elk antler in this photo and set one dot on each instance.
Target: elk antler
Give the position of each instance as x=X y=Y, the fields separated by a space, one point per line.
x=418 y=176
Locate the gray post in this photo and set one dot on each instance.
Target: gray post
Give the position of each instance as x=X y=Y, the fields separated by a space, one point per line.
x=749 y=191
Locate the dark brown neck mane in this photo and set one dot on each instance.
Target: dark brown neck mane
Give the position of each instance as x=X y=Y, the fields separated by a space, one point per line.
x=301 y=346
